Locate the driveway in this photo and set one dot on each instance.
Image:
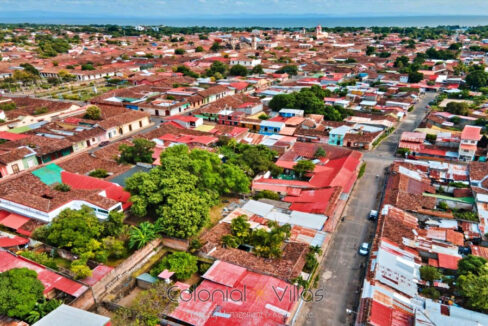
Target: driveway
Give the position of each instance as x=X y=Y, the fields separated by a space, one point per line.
x=341 y=274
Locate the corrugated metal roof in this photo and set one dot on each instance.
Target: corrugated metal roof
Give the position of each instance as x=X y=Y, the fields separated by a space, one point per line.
x=66 y=315
x=313 y=221
x=258 y=208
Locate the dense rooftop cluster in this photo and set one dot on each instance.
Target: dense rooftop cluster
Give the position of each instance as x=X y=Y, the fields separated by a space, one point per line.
x=129 y=156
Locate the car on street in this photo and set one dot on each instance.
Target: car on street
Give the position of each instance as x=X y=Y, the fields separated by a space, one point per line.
x=373 y=215
x=364 y=249
x=103 y=143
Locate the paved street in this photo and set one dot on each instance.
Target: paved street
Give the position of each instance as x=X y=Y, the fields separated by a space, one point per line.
x=341 y=272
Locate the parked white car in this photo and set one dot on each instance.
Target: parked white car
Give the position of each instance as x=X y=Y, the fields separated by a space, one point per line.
x=364 y=249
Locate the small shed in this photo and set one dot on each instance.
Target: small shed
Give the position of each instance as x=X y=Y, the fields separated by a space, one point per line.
x=145 y=281
x=166 y=275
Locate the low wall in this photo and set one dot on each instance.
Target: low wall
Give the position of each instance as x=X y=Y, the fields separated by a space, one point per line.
x=119 y=274
x=176 y=244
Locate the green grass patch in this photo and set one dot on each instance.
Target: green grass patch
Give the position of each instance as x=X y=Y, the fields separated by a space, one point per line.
x=362 y=169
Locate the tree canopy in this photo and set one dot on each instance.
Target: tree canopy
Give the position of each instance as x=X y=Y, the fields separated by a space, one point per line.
x=142 y=235
x=82 y=233
x=215 y=47
x=93 y=113
x=477 y=79
x=140 y=151
x=473 y=285
x=180 y=192
x=429 y=273
x=303 y=167
x=71 y=229
x=238 y=70
x=250 y=158
x=148 y=308
x=415 y=76
x=20 y=291
x=256 y=70
x=217 y=69
x=291 y=70
x=471 y=264
x=311 y=101
x=460 y=108
x=181 y=263
x=266 y=243
x=440 y=54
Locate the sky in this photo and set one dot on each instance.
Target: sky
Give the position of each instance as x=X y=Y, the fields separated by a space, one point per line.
x=226 y=8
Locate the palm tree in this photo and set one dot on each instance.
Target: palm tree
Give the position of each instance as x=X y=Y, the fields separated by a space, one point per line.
x=142 y=235
x=33 y=316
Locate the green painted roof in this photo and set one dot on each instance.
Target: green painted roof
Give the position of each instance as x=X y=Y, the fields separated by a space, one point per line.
x=128 y=99
x=20 y=130
x=467 y=200
x=49 y=174
x=147 y=277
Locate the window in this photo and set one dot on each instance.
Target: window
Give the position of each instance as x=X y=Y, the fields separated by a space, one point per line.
x=15 y=168
x=130 y=127
x=140 y=124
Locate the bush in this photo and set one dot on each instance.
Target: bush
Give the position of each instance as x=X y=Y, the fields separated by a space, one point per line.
x=443 y=205
x=431 y=292
x=62 y=187
x=268 y=194
x=403 y=151
x=41 y=110
x=8 y=106
x=470 y=216
x=458 y=185
x=87 y=66
x=431 y=138
x=99 y=173
x=41 y=258
x=319 y=153
x=195 y=245
x=203 y=268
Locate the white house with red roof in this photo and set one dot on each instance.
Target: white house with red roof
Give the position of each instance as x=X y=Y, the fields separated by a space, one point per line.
x=186 y=121
x=469 y=141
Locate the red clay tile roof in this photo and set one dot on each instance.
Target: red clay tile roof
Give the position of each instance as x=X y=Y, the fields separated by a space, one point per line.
x=471 y=133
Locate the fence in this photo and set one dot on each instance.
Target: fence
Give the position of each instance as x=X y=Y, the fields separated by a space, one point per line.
x=120 y=273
